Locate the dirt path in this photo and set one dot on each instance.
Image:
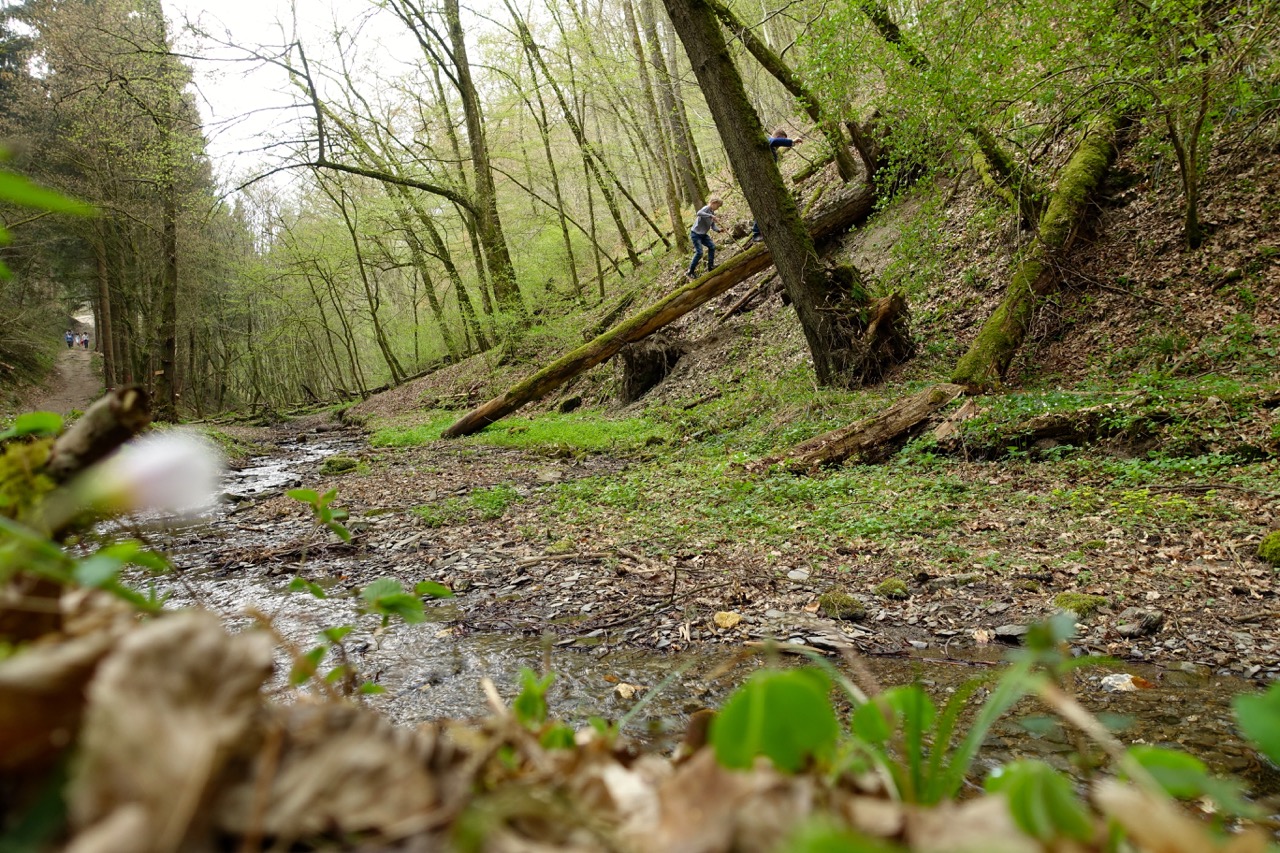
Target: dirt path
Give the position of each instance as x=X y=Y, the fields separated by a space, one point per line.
x=73 y=384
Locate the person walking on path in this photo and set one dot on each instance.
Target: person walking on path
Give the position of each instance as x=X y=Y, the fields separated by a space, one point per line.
x=84 y=340
x=704 y=222
x=69 y=338
x=779 y=139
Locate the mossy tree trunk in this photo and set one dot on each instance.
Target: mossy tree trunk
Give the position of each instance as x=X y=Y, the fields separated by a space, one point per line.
x=991 y=352
x=773 y=63
x=819 y=302
x=853 y=208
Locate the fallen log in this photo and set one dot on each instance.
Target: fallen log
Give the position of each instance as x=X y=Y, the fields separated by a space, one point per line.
x=869 y=439
x=850 y=208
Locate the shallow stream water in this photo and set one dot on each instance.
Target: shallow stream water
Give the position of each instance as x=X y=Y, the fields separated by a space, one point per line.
x=431 y=671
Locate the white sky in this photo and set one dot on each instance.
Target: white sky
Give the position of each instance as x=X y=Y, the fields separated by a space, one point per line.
x=246 y=105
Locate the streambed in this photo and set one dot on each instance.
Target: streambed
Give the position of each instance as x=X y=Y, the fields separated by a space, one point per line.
x=241 y=559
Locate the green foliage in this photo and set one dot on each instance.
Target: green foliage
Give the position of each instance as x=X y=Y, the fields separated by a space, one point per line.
x=530 y=705
x=1259 y=719
x=33 y=424
x=784 y=716
x=492 y=503
x=386 y=597
x=892 y=588
x=823 y=837
x=1043 y=801
x=339 y=465
x=325 y=514
x=554 y=434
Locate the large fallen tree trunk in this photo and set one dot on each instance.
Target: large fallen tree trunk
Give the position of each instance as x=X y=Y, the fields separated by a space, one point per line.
x=869 y=439
x=851 y=208
x=993 y=349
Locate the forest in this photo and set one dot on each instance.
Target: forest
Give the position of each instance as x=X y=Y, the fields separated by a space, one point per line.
x=402 y=479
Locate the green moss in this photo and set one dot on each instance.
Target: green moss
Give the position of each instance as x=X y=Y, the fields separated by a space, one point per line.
x=1078 y=603
x=339 y=465
x=1269 y=548
x=892 y=588
x=836 y=604
x=21 y=482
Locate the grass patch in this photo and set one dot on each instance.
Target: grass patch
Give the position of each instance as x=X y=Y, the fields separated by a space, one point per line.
x=555 y=433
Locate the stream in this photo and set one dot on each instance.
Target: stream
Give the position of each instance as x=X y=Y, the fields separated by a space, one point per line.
x=434 y=669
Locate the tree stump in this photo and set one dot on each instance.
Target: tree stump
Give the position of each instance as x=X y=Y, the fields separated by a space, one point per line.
x=647 y=362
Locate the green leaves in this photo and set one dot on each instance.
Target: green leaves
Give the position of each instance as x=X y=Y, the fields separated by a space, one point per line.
x=1042 y=801
x=387 y=597
x=18 y=190
x=1259 y=718
x=530 y=706
x=784 y=716
x=326 y=515
x=33 y=423
x=433 y=589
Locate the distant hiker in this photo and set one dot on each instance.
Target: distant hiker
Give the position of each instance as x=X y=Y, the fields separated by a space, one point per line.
x=70 y=339
x=704 y=221
x=779 y=139
x=84 y=340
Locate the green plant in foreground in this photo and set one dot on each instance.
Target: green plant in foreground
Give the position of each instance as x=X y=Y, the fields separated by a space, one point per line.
x=384 y=597
x=325 y=514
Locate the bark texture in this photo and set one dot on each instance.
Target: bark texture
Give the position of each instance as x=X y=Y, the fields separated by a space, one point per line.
x=992 y=351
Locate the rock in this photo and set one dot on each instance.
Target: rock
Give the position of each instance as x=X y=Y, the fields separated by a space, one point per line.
x=569 y=404
x=919 y=645
x=798 y=575
x=1123 y=682
x=1137 y=622
x=835 y=604
x=952 y=581
x=338 y=465
x=627 y=691
x=894 y=588
x=1011 y=633
x=1078 y=603
x=727 y=619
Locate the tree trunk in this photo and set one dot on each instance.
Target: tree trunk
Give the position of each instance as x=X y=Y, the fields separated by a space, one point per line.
x=103 y=332
x=870 y=439
x=593 y=164
x=693 y=192
x=166 y=397
x=497 y=255
x=851 y=208
x=992 y=351
x=678 y=230
x=773 y=63
x=818 y=301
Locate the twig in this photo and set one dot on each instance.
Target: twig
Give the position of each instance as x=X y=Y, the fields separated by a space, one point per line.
x=559 y=558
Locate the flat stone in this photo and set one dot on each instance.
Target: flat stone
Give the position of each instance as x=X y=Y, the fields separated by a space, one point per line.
x=798 y=575
x=1011 y=633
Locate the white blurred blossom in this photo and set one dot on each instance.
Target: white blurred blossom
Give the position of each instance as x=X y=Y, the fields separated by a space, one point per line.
x=174 y=471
